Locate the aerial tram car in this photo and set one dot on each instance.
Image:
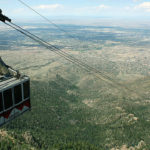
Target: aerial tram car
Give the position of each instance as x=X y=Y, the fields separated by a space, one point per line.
x=14 y=90
x=14 y=93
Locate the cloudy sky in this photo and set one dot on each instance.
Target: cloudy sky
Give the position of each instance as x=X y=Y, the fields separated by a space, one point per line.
x=81 y=8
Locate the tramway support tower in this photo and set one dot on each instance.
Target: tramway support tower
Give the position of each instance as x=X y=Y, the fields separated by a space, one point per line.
x=14 y=93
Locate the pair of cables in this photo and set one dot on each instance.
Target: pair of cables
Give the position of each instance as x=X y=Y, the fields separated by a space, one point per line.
x=88 y=68
x=98 y=74
x=63 y=54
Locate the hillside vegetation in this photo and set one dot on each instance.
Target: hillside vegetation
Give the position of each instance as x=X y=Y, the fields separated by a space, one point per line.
x=72 y=109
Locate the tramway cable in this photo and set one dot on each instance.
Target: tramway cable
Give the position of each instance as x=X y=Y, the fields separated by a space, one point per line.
x=48 y=20
x=52 y=48
x=40 y=42
x=63 y=54
x=68 y=55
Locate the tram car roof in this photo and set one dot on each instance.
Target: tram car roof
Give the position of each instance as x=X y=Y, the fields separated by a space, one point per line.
x=8 y=82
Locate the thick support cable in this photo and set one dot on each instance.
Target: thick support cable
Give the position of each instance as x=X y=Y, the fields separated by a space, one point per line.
x=48 y=20
x=57 y=51
x=51 y=47
x=43 y=44
x=103 y=75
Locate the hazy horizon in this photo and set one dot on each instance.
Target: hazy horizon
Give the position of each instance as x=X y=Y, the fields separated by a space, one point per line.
x=129 y=9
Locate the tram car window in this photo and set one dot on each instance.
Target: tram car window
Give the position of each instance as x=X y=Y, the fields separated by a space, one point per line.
x=17 y=94
x=1 y=102
x=8 y=102
x=26 y=89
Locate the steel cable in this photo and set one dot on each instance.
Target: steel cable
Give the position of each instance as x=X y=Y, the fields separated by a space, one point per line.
x=78 y=63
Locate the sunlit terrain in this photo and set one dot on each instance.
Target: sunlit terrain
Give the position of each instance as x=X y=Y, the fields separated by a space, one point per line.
x=71 y=107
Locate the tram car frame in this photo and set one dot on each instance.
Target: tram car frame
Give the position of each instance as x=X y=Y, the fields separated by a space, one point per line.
x=14 y=98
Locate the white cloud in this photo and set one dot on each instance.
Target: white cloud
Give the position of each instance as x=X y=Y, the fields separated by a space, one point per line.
x=97 y=8
x=102 y=6
x=58 y=10
x=51 y=7
x=93 y=10
x=87 y=10
x=144 y=5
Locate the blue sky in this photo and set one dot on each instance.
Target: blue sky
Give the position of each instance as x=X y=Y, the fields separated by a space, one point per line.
x=81 y=8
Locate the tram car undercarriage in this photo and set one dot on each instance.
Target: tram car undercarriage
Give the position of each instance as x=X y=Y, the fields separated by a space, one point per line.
x=14 y=93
